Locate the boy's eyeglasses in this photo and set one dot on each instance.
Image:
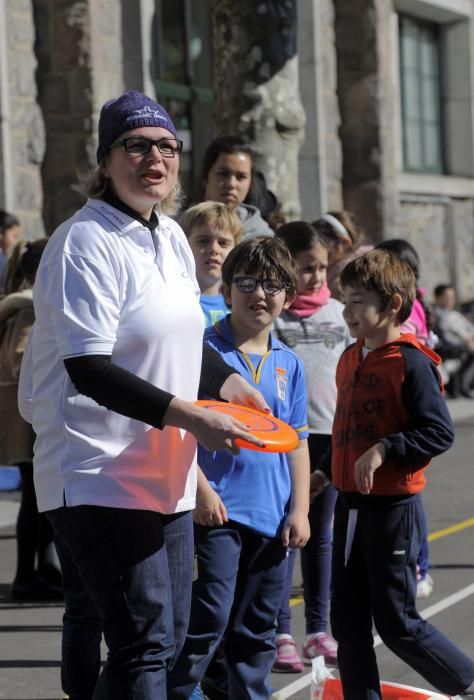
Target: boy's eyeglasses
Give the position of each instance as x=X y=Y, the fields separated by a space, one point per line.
x=139 y=145
x=247 y=285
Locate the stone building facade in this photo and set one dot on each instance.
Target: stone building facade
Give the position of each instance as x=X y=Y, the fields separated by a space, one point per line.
x=386 y=85
x=355 y=85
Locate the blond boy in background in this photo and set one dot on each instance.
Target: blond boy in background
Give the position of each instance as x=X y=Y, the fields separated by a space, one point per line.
x=212 y=230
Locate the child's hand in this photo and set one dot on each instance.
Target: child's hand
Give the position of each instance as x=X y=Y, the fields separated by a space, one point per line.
x=366 y=465
x=237 y=390
x=296 y=530
x=317 y=483
x=209 y=510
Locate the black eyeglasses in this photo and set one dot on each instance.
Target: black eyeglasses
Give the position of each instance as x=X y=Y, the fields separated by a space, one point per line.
x=247 y=285
x=139 y=145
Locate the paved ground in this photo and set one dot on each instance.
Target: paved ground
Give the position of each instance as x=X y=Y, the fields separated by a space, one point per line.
x=30 y=633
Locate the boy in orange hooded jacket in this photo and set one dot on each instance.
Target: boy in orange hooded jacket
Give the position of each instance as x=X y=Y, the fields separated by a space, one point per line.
x=391 y=419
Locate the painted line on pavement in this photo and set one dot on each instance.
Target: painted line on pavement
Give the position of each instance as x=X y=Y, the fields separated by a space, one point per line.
x=457 y=527
x=296 y=600
x=289 y=690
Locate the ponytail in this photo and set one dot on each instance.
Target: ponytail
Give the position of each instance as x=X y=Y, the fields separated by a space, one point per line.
x=23 y=264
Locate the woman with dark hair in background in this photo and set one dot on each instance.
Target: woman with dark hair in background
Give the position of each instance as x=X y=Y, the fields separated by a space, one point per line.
x=229 y=176
x=10 y=233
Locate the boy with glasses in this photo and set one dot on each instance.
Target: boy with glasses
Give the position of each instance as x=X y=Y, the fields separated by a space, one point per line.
x=251 y=506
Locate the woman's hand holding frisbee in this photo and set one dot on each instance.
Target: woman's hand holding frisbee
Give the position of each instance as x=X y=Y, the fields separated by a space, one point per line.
x=219 y=431
x=213 y=430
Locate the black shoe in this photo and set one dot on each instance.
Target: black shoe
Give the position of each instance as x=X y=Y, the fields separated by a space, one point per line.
x=34 y=590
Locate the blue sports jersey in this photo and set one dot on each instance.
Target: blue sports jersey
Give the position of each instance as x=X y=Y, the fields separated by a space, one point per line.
x=256 y=486
x=214 y=308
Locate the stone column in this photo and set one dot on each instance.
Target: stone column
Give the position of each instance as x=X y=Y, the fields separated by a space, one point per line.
x=78 y=46
x=22 y=132
x=256 y=87
x=321 y=154
x=363 y=43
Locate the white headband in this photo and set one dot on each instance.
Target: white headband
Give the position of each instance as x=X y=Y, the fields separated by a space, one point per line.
x=339 y=228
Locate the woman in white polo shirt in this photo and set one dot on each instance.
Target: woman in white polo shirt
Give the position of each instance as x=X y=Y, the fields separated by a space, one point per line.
x=116 y=352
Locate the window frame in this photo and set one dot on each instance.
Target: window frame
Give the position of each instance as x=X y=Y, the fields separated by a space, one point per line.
x=195 y=95
x=423 y=25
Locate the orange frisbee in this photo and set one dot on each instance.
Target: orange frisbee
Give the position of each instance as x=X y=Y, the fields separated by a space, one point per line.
x=277 y=435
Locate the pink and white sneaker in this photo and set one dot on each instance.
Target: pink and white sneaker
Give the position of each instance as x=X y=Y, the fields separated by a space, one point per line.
x=320 y=644
x=287 y=659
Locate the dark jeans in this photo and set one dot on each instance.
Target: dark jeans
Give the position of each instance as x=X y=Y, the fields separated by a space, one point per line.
x=284 y=613
x=137 y=567
x=379 y=583
x=315 y=556
x=238 y=590
x=82 y=631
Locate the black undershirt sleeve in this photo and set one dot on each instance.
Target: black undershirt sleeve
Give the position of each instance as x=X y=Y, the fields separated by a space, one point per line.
x=119 y=390
x=214 y=372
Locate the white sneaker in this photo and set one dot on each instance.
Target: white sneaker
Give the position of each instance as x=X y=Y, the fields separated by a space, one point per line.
x=424 y=587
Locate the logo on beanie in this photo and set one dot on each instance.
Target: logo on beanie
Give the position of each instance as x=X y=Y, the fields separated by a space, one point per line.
x=147 y=112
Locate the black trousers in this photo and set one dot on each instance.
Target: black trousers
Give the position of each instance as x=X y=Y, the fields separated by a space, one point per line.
x=378 y=586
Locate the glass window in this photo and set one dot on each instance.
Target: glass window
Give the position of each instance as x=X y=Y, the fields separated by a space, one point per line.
x=420 y=81
x=183 y=59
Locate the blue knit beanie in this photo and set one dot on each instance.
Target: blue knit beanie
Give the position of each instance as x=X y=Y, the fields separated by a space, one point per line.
x=129 y=111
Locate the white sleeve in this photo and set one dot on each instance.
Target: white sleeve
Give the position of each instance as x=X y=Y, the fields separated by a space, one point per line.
x=81 y=296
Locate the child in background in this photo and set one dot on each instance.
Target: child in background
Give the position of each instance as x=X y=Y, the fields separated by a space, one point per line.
x=212 y=230
x=313 y=326
x=345 y=240
x=10 y=233
x=229 y=176
x=41 y=579
x=251 y=506
x=417 y=323
x=390 y=420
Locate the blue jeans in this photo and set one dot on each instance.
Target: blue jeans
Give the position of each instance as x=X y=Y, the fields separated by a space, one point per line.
x=379 y=584
x=315 y=556
x=137 y=567
x=238 y=590
x=284 y=613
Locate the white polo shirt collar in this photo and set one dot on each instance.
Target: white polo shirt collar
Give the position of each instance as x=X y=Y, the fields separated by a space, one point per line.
x=126 y=225
x=123 y=223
